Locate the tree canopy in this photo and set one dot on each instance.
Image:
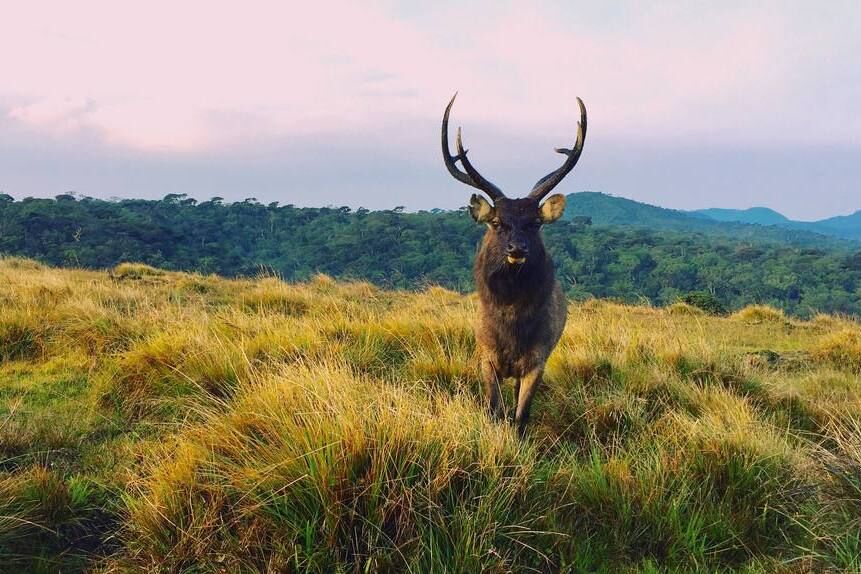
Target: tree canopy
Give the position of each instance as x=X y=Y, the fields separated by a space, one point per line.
x=399 y=249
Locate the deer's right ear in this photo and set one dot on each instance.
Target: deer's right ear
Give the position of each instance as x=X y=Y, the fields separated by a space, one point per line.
x=480 y=210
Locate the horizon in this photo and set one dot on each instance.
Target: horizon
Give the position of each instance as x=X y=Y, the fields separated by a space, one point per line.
x=690 y=107
x=79 y=197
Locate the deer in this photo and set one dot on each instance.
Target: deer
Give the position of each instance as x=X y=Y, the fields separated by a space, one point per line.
x=522 y=309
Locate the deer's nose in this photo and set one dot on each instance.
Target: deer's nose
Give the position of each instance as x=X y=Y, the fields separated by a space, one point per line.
x=518 y=249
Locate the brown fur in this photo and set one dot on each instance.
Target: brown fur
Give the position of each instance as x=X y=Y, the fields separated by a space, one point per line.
x=522 y=307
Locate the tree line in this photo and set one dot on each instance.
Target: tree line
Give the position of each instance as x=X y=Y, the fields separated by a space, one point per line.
x=394 y=248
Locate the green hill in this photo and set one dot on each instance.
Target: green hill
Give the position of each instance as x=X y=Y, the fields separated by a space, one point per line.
x=754 y=215
x=609 y=210
x=841 y=226
x=606 y=209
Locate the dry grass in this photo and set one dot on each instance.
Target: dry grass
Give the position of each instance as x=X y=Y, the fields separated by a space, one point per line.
x=682 y=308
x=759 y=314
x=842 y=348
x=135 y=271
x=157 y=421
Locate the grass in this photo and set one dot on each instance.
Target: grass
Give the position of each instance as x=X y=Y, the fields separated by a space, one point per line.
x=760 y=314
x=159 y=421
x=135 y=271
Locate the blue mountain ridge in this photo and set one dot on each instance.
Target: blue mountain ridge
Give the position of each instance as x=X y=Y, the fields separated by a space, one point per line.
x=755 y=222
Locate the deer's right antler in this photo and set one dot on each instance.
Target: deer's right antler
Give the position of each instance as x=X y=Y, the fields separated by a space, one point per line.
x=471 y=177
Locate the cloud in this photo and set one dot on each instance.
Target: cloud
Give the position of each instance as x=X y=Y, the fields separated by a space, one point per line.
x=159 y=75
x=352 y=92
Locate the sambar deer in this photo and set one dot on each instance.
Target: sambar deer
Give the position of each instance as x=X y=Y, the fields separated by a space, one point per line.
x=522 y=307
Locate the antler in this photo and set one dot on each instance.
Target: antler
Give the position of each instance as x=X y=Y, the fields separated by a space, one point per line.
x=471 y=177
x=551 y=180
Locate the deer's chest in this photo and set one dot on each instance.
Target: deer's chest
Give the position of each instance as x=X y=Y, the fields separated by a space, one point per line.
x=512 y=337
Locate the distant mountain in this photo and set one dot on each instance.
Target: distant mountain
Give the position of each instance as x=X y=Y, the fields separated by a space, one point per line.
x=755 y=215
x=843 y=226
x=758 y=223
x=840 y=226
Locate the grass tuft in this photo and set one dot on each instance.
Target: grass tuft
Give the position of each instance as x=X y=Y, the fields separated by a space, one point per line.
x=20 y=339
x=842 y=349
x=136 y=271
x=759 y=314
x=684 y=309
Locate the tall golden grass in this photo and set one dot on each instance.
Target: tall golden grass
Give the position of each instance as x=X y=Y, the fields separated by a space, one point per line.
x=159 y=421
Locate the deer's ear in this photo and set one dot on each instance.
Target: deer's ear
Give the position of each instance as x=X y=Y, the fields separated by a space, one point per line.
x=480 y=209
x=553 y=208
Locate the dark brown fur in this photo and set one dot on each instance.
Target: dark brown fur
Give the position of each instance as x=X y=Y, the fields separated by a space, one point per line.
x=522 y=308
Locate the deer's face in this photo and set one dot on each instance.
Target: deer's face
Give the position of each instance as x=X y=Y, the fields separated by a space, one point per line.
x=514 y=225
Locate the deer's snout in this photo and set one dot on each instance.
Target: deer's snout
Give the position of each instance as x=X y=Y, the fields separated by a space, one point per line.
x=517 y=252
x=518 y=249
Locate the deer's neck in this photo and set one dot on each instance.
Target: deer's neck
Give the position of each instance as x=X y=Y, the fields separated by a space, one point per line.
x=528 y=285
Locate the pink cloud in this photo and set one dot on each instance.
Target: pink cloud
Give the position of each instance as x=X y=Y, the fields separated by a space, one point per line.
x=189 y=76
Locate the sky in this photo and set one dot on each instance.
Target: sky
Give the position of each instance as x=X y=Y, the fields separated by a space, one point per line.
x=691 y=104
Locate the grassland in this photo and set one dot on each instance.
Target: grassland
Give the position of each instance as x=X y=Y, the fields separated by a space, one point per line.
x=167 y=422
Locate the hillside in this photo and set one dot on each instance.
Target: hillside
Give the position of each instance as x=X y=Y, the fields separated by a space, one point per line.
x=841 y=226
x=661 y=261
x=159 y=421
x=757 y=224
x=753 y=215
x=609 y=210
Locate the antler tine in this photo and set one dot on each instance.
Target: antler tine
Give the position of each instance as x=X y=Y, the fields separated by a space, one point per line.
x=471 y=177
x=552 y=179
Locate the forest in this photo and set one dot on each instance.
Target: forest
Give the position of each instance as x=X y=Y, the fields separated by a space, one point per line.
x=395 y=248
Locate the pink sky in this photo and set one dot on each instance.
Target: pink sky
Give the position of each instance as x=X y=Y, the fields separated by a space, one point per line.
x=199 y=81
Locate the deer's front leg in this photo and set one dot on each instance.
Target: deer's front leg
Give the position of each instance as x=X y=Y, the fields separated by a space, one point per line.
x=528 y=387
x=513 y=414
x=491 y=381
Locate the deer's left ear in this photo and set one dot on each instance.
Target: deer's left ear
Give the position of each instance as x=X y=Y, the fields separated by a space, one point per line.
x=553 y=208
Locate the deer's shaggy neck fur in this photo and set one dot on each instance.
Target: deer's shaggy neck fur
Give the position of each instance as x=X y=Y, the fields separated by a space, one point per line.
x=518 y=324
